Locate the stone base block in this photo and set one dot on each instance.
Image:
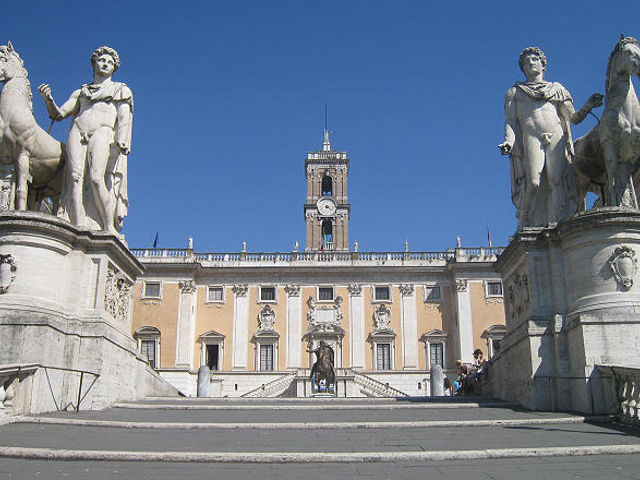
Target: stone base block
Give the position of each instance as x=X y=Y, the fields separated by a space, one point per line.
x=65 y=306
x=572 y=298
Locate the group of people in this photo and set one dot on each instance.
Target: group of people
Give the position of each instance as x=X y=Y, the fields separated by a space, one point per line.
x=467 y=377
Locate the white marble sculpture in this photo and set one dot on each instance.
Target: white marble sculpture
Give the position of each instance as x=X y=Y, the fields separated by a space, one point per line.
x=606 y=157
x=31 y=159
x=98 y=144
x=538 y=140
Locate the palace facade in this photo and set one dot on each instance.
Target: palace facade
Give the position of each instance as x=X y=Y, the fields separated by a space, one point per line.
x=253 y=318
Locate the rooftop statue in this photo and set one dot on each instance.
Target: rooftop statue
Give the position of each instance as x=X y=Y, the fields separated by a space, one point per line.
x=538 y=140
x=98 y=144
x=36 y=157
x=606 y=158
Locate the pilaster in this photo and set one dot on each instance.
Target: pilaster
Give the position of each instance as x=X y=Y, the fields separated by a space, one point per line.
x=409 y=321
x=464 y=325
x=294 y=327
x=240 y=328
x=186 y=325
x=357 y=332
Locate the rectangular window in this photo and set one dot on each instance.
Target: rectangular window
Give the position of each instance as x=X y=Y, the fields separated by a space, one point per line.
x=148 y=351
x=151 y=290
x=268 y=294
x=214 y=294
x=325 y=293
x=382 y=293
x=433 y=294
x=266 y=357
x=383 y=351
x=213 y=357
x=435 y=354
x=494 y=289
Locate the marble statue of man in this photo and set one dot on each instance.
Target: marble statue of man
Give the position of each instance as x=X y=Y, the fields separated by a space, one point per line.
x=98 y=144
x=538 y=139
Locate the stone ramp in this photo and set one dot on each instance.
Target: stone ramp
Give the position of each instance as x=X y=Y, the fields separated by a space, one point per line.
x=308 y=432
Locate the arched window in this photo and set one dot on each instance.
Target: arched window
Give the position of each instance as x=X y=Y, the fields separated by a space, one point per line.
x=327 y=234
x=327 y=186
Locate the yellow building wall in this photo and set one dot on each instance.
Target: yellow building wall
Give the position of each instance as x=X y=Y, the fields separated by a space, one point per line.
x=162 y=314
x=434 y=316
x=370 y=324
x=485 y=313
x=214 y=316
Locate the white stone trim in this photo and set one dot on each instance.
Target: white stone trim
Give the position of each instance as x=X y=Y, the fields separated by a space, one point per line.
x=212 y=338
x=240 y=338
x=293 y=320
x=149 y=332
x=434 y=337
x=486 y=283
x=275 y=293
x=427 y=288
x=333 y=288
x=224 y=291
x=143 y=294
x=373 y=293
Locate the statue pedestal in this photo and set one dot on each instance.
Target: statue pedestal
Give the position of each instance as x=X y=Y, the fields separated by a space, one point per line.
x=65 y=306
x=572 y=297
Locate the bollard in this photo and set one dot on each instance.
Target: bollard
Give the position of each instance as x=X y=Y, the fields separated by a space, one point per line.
x=204 y=381
x=437 y=381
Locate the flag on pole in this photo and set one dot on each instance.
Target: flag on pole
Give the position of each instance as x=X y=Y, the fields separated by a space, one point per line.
x=155 y=241
x=489 y=236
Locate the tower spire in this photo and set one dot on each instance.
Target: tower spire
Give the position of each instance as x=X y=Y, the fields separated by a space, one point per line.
x=326 y=145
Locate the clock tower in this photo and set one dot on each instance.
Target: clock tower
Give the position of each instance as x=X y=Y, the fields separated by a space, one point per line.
x=327 y=209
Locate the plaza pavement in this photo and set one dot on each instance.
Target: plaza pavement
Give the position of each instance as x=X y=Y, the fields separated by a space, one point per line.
x=317 y=438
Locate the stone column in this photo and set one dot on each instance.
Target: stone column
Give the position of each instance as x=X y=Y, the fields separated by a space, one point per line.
x=293 y=357
x=463 y=338
x=409 y=320
x=356 y=326
x=240 y=328
x=185 y=341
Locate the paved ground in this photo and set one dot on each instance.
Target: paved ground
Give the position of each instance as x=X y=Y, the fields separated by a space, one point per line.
x=247 y=439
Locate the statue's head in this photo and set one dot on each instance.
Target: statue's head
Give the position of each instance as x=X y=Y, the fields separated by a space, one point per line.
x=533 y=51
x=98 y=52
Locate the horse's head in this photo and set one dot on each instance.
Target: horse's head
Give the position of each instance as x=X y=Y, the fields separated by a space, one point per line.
x=624 y=59
x=11 y=65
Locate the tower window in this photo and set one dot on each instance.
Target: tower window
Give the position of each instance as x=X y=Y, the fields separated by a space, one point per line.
x=327 y=186
x=327 y=234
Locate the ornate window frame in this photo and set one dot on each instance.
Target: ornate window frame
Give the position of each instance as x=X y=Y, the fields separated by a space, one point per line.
x=433 y=337
x=374 y=298
x=382 y=334
x=428 y=288
x=212 y=338
x=486 y=284
x=333 y=296
x=143 y=293
x=149 y=333
x=209 y=287
x=492 y=334
x=275 y=294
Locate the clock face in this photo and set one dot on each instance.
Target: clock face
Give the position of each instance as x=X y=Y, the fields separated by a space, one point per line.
x=326 y=206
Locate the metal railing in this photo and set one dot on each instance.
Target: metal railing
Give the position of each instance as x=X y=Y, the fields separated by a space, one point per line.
x=8 y=372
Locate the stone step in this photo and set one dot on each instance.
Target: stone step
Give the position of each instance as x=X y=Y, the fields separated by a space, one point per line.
x=310 y=415
x=297 y=441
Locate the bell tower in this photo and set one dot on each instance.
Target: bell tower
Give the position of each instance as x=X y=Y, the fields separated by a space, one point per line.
x=327 y=208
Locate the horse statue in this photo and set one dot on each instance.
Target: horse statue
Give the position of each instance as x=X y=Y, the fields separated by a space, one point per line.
x=323 y=368
x=38 y=158
x=606 y=158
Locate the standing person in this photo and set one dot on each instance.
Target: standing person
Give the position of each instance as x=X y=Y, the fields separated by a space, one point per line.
x=99 y=141
x=538 y=139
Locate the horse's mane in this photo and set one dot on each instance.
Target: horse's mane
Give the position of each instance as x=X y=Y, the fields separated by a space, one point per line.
x=623 y=41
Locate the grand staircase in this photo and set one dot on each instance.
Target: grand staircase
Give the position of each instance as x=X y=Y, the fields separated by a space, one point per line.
x=405 y=437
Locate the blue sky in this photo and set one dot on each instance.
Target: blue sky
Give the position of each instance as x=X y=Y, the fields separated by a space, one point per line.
x=229 y=98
